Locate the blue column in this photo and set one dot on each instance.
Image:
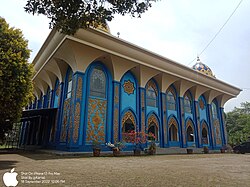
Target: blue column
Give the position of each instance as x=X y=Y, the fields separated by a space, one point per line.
x=210 y=126
x=59 y=112
x=163 y=117
x=142 y=113
x=197 y=124
x=223 y=126
x=116 y=127
x=44 y=101
x=181 y=128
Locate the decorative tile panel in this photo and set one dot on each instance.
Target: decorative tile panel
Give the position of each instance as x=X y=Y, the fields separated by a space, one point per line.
x=142 y=111
x=217 y=132
x=128 y=115
x=116 y=113
x=96 y=120
x=79 y=88
x=76 y=122
x=66 y=112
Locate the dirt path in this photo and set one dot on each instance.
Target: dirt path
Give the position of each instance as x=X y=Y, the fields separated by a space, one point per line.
x=165 y=170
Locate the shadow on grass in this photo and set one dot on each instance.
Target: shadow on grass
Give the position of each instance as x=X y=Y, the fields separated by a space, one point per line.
x=44 y=156
x=5 y=164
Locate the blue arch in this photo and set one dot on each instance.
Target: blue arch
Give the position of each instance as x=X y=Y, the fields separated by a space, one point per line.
x=109 y=94
x=150 y=108
x=153 y=113
x=194 y=129
x=174 y=143
x=160 y=133
x=69 y=70
x=203 y=113
x=133 y=113
x=129 y=100
x=209 y=133
x=176 y=98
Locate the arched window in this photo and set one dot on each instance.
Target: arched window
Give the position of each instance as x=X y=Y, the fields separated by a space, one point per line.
x=187 y=103
x=98 y=83
x=151 y=94
x=153 y=130
x=214 y=110
x=128 y=126
x=204 y=136
x=171 y=99
x=69 y=84
x=190 y=134
x=173 y=133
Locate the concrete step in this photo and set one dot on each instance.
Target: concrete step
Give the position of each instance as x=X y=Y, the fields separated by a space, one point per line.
x=176 y=150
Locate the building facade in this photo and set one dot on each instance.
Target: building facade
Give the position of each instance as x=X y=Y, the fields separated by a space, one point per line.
x=103 y=86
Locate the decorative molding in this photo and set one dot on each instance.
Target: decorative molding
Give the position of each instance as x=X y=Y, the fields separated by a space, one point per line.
x=152 y=119
x=172 y=121
x=128 y=115
x=129 y=87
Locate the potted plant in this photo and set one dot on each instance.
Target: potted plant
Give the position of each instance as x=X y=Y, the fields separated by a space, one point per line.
x=223 y=149
x=96 y=148
x=152 y=148
x=138 y=139
x=116 y=148
x=205 y=150
x=190 y=150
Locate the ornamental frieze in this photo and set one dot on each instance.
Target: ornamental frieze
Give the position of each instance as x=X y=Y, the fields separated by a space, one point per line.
x=128 y=87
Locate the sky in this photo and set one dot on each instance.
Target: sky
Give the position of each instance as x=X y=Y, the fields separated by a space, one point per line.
x=176 y=29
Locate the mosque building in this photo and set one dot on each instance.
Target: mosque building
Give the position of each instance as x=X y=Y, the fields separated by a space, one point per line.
x=94 y=86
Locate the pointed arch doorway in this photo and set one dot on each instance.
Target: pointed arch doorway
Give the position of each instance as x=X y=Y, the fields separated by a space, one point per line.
x=128 y=126
x=204 y=135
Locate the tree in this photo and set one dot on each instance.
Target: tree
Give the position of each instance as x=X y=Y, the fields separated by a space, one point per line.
x=70 y=15
x=238 y=124
x=15 y=76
